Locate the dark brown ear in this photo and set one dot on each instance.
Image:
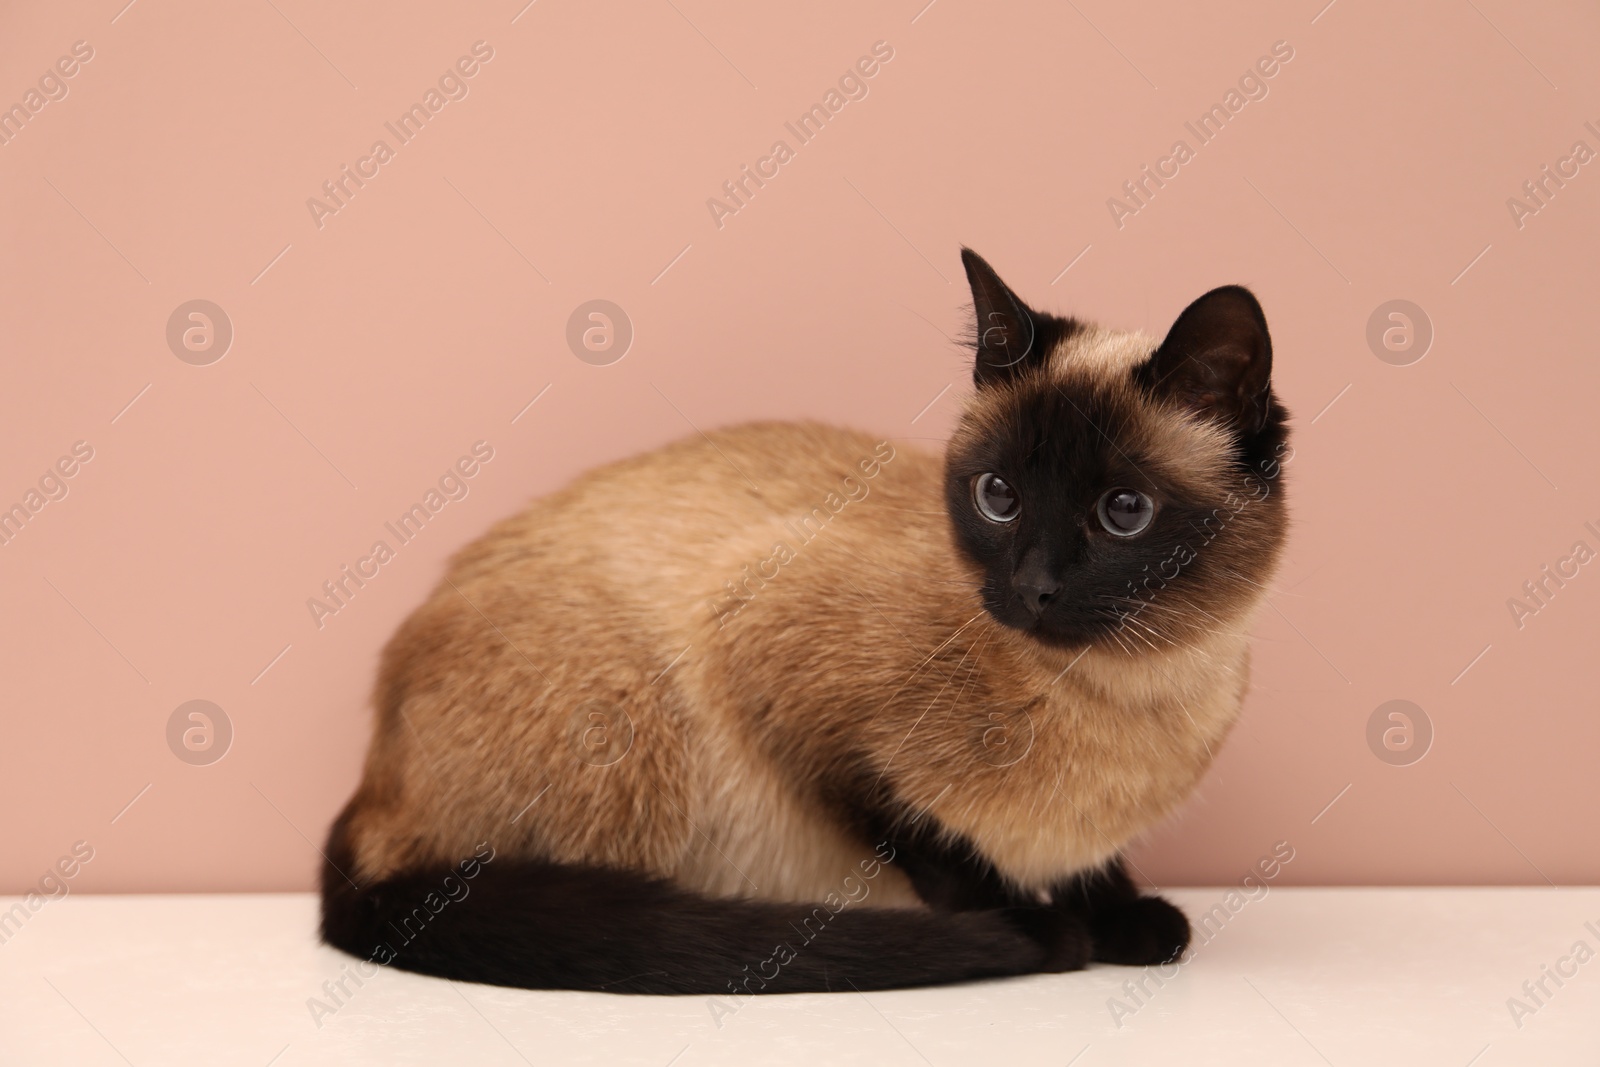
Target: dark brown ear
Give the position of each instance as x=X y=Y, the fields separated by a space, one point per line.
x=1217 y=360
x=1006 y=330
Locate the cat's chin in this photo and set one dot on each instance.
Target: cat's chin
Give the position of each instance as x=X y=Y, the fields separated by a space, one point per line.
x=1066 y=640
x=1061 y=635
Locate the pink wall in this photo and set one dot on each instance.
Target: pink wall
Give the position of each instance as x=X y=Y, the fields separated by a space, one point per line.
x=371 y=351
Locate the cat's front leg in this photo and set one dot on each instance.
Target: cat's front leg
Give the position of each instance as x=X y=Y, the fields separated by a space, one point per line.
x=1064 y=936
x=951 y=875
x=1124 y=927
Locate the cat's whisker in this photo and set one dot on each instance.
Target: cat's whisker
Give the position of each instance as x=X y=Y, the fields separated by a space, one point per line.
x=1178 y=610
x=1116 y=636
x=971 y=673
x=1145 y=639
x=1190 y=625
x=1198 y=732
x=1127 y=619
x=1212 y=661
x=890 y=761
x=1267 y=590
x=927 y=660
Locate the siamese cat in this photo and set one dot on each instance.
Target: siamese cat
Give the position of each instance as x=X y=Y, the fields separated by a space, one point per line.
x=787 y=708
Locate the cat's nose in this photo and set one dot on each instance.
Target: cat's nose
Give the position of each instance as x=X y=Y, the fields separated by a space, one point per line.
x=1037 y=595
x=1035 y=586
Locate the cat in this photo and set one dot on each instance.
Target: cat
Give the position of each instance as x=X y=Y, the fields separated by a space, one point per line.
x=785 y=707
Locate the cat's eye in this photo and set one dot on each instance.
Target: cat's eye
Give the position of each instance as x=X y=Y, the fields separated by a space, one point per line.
x=995 y=498
x=1126 y=512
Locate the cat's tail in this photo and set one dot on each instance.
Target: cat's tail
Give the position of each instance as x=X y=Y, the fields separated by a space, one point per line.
x=554 y=926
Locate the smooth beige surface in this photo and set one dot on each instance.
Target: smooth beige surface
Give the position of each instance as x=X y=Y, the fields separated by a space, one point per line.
x=372 y=347
x=1299 y=976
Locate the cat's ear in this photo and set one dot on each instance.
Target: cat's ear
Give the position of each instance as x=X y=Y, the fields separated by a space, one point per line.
x=1217 y=360
x=1006 y=333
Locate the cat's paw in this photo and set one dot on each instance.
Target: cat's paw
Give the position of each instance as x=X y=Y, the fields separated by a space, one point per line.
x=1139 y=932
x=1063 y=936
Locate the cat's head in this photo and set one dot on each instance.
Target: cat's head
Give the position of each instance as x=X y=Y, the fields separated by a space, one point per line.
x=1115 y=490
